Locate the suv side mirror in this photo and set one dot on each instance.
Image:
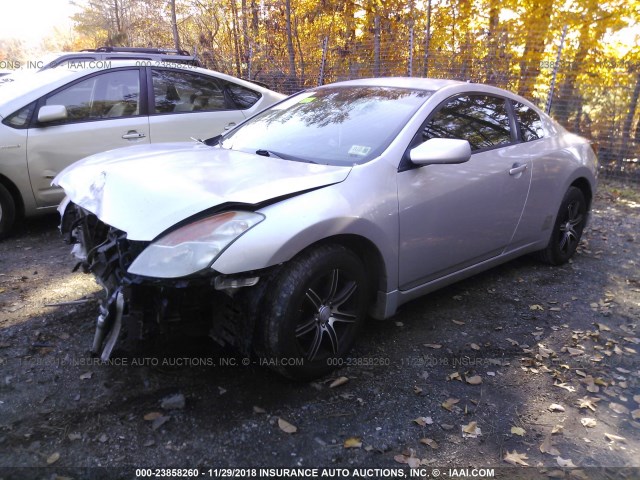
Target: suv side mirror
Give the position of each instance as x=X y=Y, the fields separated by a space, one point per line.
x=441 y=151
x=51 y=113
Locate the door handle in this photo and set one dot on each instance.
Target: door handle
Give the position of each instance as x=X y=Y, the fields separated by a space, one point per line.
x=230 y=126
x=517 y=169
x=133 y=135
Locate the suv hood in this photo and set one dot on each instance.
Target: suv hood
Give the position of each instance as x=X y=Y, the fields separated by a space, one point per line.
x=144 y=190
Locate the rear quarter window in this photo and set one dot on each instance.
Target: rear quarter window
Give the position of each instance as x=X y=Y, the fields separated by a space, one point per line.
x=529 y=121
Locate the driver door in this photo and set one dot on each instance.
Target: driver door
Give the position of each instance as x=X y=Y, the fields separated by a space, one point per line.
x=455 y=216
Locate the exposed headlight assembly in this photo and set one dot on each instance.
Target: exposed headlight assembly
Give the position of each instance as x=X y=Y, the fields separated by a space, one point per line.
x=193 y=247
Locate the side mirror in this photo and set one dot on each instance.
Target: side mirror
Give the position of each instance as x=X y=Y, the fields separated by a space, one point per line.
x=441 y=151
x=52 y=113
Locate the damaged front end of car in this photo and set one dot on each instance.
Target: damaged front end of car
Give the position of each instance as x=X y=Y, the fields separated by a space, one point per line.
x=182 y=298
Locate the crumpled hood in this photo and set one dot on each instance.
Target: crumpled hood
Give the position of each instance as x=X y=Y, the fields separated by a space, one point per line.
x=144 y=190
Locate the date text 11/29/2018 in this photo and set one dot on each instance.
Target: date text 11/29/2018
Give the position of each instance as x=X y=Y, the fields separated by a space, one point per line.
x=250 y=473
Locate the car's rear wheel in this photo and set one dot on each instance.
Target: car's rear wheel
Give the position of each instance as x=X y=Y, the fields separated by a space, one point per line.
x=567 y=231
x=313 y=311
x=7 y=211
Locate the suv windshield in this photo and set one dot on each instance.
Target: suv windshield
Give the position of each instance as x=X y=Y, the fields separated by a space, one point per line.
x=339 y=125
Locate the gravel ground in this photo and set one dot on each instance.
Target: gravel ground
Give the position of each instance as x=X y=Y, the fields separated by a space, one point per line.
x=524 y=364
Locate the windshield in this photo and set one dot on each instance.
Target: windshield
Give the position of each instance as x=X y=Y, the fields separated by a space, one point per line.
x=339 y=125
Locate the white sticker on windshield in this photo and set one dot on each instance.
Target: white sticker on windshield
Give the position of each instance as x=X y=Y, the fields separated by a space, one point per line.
x=359 y=150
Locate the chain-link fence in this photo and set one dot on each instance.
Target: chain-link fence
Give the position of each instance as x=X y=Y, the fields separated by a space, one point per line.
x=593 y=96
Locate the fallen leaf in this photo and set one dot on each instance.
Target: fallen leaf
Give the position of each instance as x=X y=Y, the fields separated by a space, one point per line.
x=417 y=390
x=635 y=414
x=410 y=460
x=636 y=398
x=557 y=429
x=554 y=407
x=151 y=416
x=518 y=431
x=512 y=342
x=588 y=402
x=458 y=322
x=454 y=376
x=286 y=427
x=53 y=458
x=588 y=422
x=475 y=346
x=602 y=327
x=565 y=463
x=400 y=459
x=618 y=408
x=536 y=307
x=471 y=430
x=515 y=458
x=432 y=345
x=74 y=436
x=423 y=421
x=429 y=441
x=556 y=474
x=616 y=438
x=86 y=376
x=475 y=380
x=547 y=447
x=158 y=422
x=568 y=388
x=574 y=351
x=257 y=409
x=446 y=426
x=339 y=381
x=449 y=403
x=352 y=442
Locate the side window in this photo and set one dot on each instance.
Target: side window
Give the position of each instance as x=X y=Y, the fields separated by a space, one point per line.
x=20 y=118
x=108 y=95
x=481 y=119
x=529 y=121
x=177 y=91
x=243 y=97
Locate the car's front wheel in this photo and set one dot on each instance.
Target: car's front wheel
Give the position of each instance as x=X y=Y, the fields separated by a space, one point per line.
x=7 y=211
x=313 y=311
x=567 y=231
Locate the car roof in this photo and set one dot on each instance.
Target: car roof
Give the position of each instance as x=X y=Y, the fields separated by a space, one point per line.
x=443 y=87
x=403 y=82
x=16 y=94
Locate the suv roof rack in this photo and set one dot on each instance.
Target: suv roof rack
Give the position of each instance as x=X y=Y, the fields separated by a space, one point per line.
x=157 y=51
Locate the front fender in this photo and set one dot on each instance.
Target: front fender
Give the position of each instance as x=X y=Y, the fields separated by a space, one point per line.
x=296 y=223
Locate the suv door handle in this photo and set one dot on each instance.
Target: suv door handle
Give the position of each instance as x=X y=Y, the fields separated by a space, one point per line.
x=132 y=135
x=516 y=169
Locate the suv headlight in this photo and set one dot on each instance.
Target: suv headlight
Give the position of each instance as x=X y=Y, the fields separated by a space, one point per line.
x=193 y=247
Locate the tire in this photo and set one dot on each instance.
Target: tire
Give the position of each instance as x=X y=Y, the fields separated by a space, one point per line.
x=312 y=312
x=7 y=212
x=567 y=231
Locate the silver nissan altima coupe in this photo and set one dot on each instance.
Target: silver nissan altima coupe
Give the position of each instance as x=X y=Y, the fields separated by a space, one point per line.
x=341 y=202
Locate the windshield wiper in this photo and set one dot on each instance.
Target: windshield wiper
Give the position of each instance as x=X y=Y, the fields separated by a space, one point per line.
x=269 y=153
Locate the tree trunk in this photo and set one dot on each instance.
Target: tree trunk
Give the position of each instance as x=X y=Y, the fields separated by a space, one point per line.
x=427 y=41
x=628 y=121
x=174 y=25
x=245 y=37
x=534 y=46
x=292 y=54
x=236 y=41
x=376 y=45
